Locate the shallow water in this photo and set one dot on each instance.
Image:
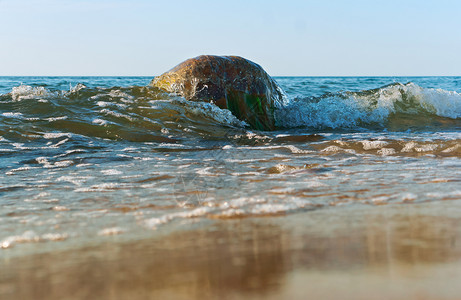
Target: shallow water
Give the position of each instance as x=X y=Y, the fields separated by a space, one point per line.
x=384 y=252
x=87 y=160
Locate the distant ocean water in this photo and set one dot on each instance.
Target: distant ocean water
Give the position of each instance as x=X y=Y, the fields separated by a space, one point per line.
x=86 y=157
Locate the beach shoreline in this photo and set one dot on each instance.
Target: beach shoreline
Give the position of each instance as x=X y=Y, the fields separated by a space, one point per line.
x=400 y=251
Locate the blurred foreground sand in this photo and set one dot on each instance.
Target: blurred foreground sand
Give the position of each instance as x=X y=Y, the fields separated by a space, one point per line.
x=405 y=251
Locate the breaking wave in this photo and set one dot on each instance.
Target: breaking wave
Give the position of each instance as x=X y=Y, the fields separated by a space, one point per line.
x=133 y=113
x=393 y=106
x=147 y=114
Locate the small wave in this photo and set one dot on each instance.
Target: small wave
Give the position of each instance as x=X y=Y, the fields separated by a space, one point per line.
x=128 y=113
x=145 y=114
x=401 y=104
x=391 y=147
x=31 y=237
x=23 y=92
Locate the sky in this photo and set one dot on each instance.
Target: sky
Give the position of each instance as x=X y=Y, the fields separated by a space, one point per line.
x=287 y=38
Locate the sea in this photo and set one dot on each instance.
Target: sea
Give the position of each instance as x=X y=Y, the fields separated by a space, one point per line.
x=86 y=157
x=90 y=161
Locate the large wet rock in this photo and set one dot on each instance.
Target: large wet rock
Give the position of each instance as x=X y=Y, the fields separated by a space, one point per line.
x=230 y=82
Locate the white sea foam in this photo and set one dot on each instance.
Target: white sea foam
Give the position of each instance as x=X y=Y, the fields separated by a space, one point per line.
x=370 y=145
x=408 y=147
x=198 y=212
x=209 y=110
x=344 y=110
x=24 y=92
x=31 y=237
x=199 y=109
x=16 y=115
x=116 y=114
x=386 y=151
x=53 y=119
x=108 y=104
x=263 y=209
x=103 y=187
x=78 y=87
x=124 y=97
x=111 y=172
x=99 y=121
x=14 y=171
x=426 y=148
x=77 y=180
x=111 y=231
x=55 y=135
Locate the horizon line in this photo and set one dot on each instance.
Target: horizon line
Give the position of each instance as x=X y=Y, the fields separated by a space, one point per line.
x=287 y=76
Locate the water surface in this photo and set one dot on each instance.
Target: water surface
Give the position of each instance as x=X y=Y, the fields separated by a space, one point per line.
x=92 y=163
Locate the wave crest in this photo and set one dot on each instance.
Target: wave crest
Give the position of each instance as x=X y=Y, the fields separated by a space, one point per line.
x=389 y=104
x=129 y=113
x=148 y=114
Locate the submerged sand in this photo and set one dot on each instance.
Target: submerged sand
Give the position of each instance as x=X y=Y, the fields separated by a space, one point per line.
x=401 y=251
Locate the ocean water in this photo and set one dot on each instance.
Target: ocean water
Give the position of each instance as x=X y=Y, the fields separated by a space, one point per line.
x=84 y=158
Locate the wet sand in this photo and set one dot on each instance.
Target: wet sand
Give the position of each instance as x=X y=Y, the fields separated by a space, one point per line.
x=401 y=251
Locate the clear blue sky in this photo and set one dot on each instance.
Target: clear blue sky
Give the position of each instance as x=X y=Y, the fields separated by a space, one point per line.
x=311 y=37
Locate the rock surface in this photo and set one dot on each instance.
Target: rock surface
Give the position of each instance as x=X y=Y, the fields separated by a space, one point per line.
x=230 y=82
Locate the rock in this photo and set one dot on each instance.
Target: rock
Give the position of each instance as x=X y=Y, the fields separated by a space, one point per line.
x=230 y=82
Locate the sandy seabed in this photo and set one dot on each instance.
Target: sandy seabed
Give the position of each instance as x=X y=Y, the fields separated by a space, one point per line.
x=403 y=251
